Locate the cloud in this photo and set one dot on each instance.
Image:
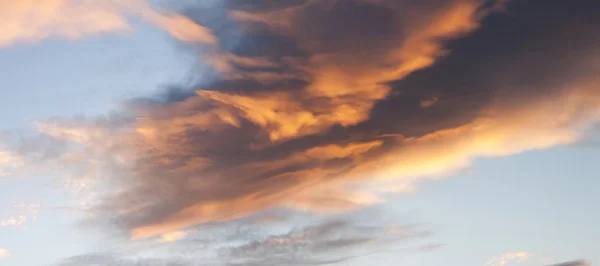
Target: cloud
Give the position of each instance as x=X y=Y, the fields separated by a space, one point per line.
x=316 y=110
x=242 y=143
x=573 y=263
x=522 y=257
x=8 y=161
x=347 y=64
x=498 y=131
x=19 y=215
x=324 y=243
x=173 y=236
x=109 y=260
x=308 y=242
x=517 y=257
x=429 y=102
x=30 y=21
x=4 y=253
x=14 y=221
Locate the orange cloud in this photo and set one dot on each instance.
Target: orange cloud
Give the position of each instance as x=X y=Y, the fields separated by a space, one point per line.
x=183 y=140
x=500 y=130
x=328 y=198
x=429 y=102
x=304 y=191
x=180 y=27
x=234 y=150
x=28 y=21
x=353 y=80
x=338 y=152
x=173 y=236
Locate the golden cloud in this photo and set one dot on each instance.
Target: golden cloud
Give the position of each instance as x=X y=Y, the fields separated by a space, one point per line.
x=312 y=180
x=352 y=78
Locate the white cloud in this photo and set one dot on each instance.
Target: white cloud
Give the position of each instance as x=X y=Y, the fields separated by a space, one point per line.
x=19 y=215
x=516 y=257
x=8 y=161
x=14 y=221
x=4 y=253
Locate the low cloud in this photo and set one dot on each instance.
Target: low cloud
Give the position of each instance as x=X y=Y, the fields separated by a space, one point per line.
x=308 y=242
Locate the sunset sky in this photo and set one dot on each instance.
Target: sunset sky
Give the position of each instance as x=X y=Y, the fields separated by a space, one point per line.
x=299 y=132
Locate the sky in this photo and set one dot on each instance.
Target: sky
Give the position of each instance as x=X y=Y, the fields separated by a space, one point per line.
x=300 y=132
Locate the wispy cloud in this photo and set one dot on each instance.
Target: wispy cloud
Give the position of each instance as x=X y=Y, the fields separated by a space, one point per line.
x=8 y=161
x=29 y=21
x=18 y=215
x=573 y=263
x=14 y=221
x=174 y=236
x=429 y=102
x=310 y=242
x=516 y=257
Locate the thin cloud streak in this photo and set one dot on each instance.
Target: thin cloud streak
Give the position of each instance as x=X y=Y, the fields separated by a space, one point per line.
x=30 y=21
x=573 y=263
x=320 y=242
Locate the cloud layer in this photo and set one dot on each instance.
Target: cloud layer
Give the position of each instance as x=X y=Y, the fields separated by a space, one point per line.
x=325 y=106
x=574 y=263
x=250 y=242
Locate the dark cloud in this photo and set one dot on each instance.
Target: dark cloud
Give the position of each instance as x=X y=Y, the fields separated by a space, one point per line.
x=573 y=263
x=321 y=106
x=318 y=106
x=510 y=61
x=277 y=117
x=521 y=56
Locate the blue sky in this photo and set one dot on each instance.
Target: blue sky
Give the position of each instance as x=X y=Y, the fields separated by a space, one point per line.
x=229 y=114
x=60 y=77
x=68 y=78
